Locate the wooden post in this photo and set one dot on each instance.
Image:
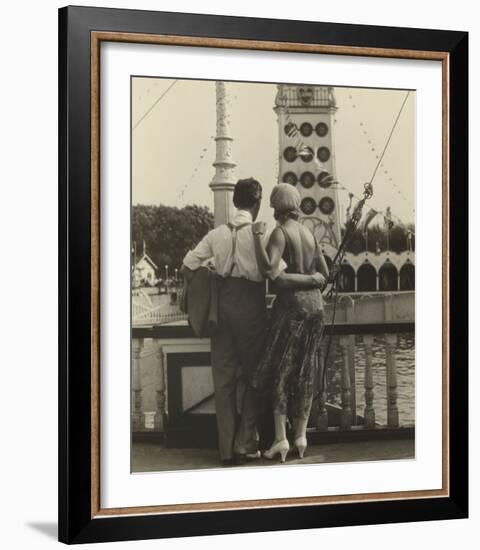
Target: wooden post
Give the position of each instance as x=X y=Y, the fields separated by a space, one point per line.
x=392 y=407
x=353 y=377
x=137 y=424
x=388 y=307
x=159 y=422
x=369 y=412
x=346 y=418
x=350 y=316
x=322 y=417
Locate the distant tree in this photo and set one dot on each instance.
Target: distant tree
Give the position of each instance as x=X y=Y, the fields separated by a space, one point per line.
x=377 y=235
x=169 y=232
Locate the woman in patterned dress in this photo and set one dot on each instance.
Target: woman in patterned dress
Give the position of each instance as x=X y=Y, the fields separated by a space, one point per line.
x=287 y=370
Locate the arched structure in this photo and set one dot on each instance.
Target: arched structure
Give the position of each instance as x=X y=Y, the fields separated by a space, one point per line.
x=366 y=278
x=388 y=277
x=347 y=278
x=407 y=277
x=384 y=272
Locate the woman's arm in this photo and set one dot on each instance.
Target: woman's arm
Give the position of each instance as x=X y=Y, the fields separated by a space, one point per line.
x=300 y=281
x=269 y=258
x=268 y=254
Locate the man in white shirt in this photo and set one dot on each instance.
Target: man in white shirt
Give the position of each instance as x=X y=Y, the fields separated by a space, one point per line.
x=237 y=343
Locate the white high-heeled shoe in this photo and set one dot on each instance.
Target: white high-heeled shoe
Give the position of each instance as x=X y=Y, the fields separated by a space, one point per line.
x=280 y=447
x=301 y=445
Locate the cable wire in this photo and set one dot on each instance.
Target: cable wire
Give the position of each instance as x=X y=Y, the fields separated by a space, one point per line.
x=389 y=137
x=150 y=109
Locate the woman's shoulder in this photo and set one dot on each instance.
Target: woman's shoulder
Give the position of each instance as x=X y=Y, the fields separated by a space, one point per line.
x=278 y=234
x=305 y=232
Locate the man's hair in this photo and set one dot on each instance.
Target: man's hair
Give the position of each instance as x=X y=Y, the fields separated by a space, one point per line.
x=247 y=193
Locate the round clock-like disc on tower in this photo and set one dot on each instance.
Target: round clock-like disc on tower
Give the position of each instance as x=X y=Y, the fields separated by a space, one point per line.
x=321 y=129
x=308 y=206
x=307 y=179
x=323 y=154
x=290 y=154
x=306 y=129
x=290 y=177
x=290 y=129
x=324 y=179
x=326 y=205
x=306 y=154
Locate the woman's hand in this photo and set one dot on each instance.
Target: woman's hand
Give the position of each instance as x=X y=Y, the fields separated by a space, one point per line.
x=259 y=228
x=300 y=281
x=319 y=279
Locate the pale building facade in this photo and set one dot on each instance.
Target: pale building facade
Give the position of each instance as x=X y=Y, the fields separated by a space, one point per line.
x=145 y=271
x=307 y=158
x=306 y=121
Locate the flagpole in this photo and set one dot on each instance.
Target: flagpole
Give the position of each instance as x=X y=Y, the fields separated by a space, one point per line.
x=387 y=217
x=409 y=240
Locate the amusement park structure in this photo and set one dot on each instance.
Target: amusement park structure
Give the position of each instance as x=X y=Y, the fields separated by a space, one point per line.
x=307 y=158
x=374 y=308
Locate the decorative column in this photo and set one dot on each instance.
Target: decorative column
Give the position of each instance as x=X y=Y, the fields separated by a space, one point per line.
x=223 y=182
x=392 y=407
x=350 y=316
x=137 y=345
x=346 y=418
x=159 y=422
x=369 y=412
x=388 y=307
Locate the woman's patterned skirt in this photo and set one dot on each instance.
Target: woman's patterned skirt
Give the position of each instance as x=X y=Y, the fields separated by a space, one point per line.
x=287 y=371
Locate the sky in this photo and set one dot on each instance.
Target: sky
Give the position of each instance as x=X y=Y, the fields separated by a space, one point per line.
x=173 y=147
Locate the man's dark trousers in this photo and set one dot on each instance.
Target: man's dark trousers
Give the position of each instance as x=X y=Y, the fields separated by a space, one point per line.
x=236 y=348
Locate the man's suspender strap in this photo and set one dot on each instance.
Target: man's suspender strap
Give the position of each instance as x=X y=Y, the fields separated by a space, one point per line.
x=234 y=229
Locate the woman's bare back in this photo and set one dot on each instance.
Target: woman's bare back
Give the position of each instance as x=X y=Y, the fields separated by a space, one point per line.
x=302 y=246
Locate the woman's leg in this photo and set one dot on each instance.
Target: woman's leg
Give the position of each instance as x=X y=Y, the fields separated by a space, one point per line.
x=280 y=445
x=300 y=426
x=280 y=421
x=309 y=366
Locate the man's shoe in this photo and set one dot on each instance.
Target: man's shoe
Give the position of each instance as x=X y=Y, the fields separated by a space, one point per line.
x=228 y=462
x=242 y=458
x=253 y=456
x=239 y=459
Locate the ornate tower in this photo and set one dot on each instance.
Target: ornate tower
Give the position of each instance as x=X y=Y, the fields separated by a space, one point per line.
x=223 y=183
x=307 y=159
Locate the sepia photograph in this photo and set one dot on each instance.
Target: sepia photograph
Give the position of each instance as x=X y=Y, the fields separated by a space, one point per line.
x=272 y=274
x=247 y=342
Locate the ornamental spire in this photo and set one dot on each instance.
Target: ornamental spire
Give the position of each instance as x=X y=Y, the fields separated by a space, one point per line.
x=223 y=182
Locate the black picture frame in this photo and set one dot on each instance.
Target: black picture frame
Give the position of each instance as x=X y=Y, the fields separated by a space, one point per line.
x=78 y=523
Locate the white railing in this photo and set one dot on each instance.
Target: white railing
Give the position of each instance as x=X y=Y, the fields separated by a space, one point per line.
x=365 y=351
x=145 y=314
x=367 y=386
